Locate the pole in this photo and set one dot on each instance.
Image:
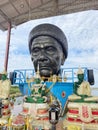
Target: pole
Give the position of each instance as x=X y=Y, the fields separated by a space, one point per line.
x=7 y=47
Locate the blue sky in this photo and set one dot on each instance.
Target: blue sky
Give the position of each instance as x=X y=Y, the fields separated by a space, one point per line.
x=81 y=30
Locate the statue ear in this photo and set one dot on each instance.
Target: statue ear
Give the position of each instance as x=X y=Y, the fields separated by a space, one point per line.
x=63 y=59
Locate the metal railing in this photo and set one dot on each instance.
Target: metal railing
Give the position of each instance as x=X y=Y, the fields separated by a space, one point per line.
x=66 y=75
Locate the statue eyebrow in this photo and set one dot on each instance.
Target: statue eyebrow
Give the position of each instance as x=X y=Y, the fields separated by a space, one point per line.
x=38 y=44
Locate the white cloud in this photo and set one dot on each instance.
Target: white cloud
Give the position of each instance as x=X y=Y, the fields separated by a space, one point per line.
x=19 y=62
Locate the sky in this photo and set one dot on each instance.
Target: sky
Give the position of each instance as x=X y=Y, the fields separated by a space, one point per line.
x=81 y=30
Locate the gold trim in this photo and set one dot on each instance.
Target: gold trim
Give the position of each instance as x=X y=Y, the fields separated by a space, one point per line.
x=91 y=126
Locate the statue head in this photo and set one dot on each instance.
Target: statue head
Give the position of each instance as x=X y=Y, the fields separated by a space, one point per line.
x=48 y=48
x=80 y=75
x=4 y=75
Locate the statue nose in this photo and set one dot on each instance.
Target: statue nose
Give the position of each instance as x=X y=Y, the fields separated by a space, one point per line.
x=43 y=56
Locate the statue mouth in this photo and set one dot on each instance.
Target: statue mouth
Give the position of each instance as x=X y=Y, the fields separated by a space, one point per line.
x=45 y=71
x=44 y=68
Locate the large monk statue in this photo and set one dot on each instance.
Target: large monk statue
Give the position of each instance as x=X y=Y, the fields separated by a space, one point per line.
x=49 y=48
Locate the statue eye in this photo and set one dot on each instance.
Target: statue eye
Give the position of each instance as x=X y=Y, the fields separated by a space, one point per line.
x=50 y=49
x=35 y=50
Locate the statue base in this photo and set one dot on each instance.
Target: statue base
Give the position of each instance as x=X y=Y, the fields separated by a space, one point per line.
x=81 y=116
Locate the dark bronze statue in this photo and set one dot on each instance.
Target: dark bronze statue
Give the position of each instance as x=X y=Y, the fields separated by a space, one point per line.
x=48 y=48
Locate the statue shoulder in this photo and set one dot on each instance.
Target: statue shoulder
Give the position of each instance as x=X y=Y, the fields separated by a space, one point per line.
x=7 y=80
x=86 y=83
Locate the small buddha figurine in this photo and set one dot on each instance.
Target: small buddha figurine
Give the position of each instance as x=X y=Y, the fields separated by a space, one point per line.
x=5 y=86
x=38 y=91
x=81 y=89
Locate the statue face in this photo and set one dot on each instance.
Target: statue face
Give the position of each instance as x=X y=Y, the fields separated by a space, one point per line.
x=48 y=53
x=81 y=77
x=4 y=77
